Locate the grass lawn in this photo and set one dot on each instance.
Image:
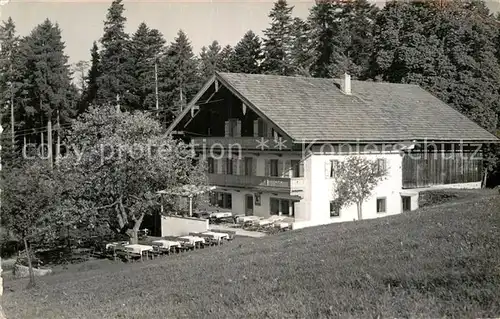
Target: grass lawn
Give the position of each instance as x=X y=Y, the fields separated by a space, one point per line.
x=441 y=261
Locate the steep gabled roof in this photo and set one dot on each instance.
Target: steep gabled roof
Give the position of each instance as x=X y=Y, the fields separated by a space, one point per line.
x=314 y=109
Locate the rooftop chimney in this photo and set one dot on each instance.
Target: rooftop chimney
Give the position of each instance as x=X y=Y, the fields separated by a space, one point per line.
x=345 y=85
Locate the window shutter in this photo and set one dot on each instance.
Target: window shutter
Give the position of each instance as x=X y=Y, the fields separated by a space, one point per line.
x=254 y=167
x=382 y=164
x=280 y=168
x=334 y=164
x=210 y=165
x=226 y=128
x=328 y=169
x=223 y=166
x=301 y=169
x=267 y=164
x=235 y=166
x=287 y=168
x=256 y=128
x=238 y=129
x=268 y=130
x=216 y=166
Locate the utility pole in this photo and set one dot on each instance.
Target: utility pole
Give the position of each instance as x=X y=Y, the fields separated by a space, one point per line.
x=12 y=112
x=182 y=99
x=156 y=90
x=58 y=147
x=41 y=130
x=117 y=103
x=49 y=142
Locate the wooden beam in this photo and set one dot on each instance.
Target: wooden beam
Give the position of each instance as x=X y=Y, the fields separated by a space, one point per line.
x=195 y=107
x=193 y=115
x=185 y=111
x=216 y=85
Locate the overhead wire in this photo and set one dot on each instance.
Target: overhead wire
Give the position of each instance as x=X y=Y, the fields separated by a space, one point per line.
x=44 y=129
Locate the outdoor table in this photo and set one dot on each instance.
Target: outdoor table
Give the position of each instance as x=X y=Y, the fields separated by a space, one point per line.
x=139 y=249
x=166 y=245
x=270 y=220
x=230 y=233
x=282 y=225
x=191 y=241
x=219 y=215
x=117 y=243
x=218 y=236
x=244 y=219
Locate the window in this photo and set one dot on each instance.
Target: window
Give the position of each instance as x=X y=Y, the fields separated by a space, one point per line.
x=335 y=208
x=211 y=165
x=297 y=168
x=222 y=200
x=381 y=165
x=283 y=207
x=256 y=196
x=381 y=205
x=273 y=169
x=248 y=166
x=333 y=166
x=229 y=166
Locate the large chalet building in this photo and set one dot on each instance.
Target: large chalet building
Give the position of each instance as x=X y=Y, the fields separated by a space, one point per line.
x=271 y=141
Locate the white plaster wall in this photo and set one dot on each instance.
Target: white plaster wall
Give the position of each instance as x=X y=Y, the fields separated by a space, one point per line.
x=305 y=205
x=322 y=188
x=181 y=226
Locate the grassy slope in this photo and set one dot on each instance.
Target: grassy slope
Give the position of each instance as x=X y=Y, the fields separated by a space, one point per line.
x=441 y=261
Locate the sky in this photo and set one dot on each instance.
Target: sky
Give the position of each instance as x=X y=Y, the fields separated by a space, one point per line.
x=82 y=21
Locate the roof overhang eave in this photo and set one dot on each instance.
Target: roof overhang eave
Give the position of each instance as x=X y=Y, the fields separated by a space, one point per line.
x=360 y=141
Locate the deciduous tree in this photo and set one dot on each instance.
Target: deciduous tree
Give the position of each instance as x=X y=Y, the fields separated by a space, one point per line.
x=125 y=160
x=31 y=204
x=80 y=70
x=354 y=180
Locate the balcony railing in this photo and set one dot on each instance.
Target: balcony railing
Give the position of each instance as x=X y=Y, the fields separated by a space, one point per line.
x=290 y=185
x=237 y=143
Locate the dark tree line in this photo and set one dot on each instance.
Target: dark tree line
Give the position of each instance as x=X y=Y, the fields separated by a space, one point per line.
x=450 y=48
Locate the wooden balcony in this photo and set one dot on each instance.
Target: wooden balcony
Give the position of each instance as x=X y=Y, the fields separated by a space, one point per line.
x=243 y=143
x=293 y=186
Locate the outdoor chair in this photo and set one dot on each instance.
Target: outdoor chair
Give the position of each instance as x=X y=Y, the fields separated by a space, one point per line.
x=231 y=233
x=209 y=240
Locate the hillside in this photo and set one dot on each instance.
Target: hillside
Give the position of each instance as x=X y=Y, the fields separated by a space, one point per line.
x=441 y=261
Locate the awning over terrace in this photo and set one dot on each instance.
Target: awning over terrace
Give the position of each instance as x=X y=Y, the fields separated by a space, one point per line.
x=187 y=191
